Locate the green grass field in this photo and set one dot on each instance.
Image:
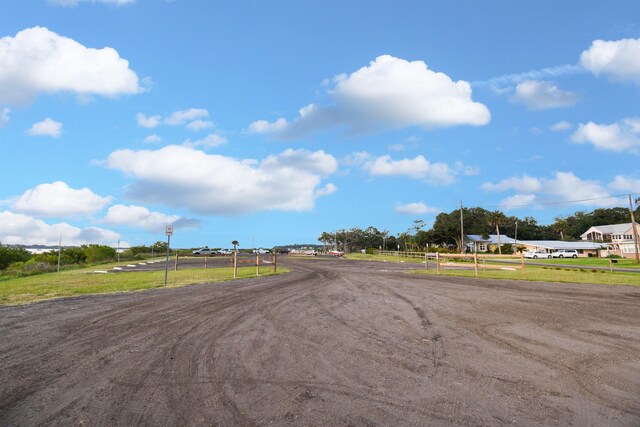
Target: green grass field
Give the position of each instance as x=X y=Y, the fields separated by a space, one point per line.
x=47 y=286
x=596 y=262
x=549 y=274
x=553 y=273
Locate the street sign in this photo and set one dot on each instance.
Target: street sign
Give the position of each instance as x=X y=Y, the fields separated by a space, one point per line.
x=169 y=231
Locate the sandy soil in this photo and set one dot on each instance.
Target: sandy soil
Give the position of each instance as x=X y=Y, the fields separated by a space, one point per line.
x=334 y=342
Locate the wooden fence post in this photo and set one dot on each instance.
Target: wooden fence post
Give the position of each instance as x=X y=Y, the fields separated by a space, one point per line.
x=235 y=264
x=275 y=261
x=176 y=267
x=522 y=261
x=205 y=262
x=257 y=263
x=475 y=263
x=438 y=262
x=426 y=262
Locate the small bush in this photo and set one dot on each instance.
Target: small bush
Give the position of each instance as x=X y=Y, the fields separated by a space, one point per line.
x=613 y=256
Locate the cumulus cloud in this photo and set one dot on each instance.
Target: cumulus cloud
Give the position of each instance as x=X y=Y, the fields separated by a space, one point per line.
x=210 y=141
x=417 y=168
x=418 y=208
x=618 y=60
x=181 y=117
x=191 y=118
x=561 y=125
x=623 y=183
x=147 y=122
x=141 y=217
x=389 y=93
x=38 y=60
x=542 y=95
x=4 y=117
x=20 y=229
x=197 y=125
x=47 y=127
x=621 y=137
x=152 y=139
x=560 y=187
x=59 y=200
x=214 y=184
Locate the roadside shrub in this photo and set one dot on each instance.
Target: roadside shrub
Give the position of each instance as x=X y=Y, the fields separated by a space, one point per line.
x=370 y=251
x=613 y=256
x=594 y=270
x=99 y=253
x=11 y=255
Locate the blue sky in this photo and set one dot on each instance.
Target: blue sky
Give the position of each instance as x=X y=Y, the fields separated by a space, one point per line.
x=270 y=122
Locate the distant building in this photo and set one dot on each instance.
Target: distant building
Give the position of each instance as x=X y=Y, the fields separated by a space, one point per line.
x=477 y=243
x=619 y=238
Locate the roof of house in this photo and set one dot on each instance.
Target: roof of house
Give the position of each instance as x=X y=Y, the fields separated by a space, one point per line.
x=558 y=244
x=608 y=229
x=493 y=238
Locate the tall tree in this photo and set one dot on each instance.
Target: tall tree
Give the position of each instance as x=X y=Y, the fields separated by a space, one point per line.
x=497 y=218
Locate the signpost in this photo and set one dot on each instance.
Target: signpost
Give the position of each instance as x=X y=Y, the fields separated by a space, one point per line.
x=169 y=233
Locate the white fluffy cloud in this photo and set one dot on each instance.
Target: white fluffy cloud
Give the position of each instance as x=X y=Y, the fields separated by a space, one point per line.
x=622 y=136
x=4 y=117
x=212 y=184
x=210 y=141
x=623 y=183
x=19 y=229
x=561 y=125
x=417 y=168
x=138 y=217
x=197 y=125
x=543 y=95
x=390 y=92
x=38 y=60
x=560 y=187
x=181 y=117
x=59 y=200
x=47 y=127
x=417 y=208
x=191 y=118
x=152 y=139
x=618 y=60
x=147 y=122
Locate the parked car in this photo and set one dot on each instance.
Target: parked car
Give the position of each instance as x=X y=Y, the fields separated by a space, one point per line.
x=565 y=253
x=204 y=251
x=536 y=255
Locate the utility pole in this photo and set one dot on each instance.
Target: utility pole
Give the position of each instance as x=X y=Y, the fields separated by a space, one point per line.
x=635 y=229
x=60 y=251
x=461 y=229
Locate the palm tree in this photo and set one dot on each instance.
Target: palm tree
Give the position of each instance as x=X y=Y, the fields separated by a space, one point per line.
x=497 y=218
x=235 y=244
x=560 y=226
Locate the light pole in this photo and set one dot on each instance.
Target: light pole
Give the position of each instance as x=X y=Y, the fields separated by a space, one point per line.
x=169 y=233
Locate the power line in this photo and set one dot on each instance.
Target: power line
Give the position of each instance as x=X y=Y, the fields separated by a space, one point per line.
x=564 y=202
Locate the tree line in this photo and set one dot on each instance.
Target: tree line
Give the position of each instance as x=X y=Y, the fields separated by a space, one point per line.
x=446 y=229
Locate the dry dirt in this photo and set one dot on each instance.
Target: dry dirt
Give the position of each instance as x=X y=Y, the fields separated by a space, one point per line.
x=335 y=342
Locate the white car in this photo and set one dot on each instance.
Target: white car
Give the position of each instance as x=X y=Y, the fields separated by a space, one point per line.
x=565 y=253
x=204 y=251
x=536 y=255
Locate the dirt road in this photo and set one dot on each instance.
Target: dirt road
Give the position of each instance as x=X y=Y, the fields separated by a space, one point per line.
x=334 y=342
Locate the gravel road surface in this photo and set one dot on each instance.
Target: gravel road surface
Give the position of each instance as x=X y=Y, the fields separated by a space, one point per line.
x=334 y=342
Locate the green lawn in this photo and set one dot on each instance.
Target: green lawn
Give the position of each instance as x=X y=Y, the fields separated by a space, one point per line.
x=596 y=262
x=83 y=282
x=548 y=274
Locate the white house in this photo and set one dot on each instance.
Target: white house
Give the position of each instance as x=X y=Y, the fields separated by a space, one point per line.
x=477 y=243
x=619 y=238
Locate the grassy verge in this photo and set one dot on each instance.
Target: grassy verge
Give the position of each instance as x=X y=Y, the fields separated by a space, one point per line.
x=42 y=287
x=390 y=258
x=596 y=262
x=549 y=274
